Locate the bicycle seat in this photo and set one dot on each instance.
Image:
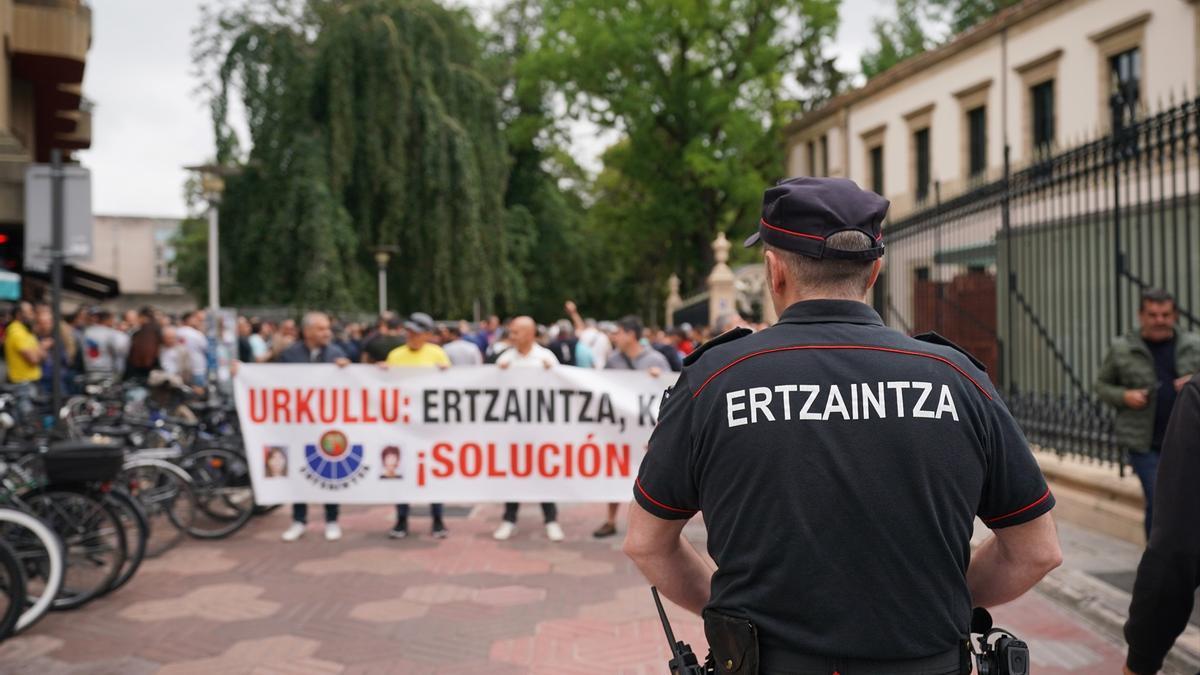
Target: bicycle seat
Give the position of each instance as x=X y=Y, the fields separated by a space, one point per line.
x=117 y=431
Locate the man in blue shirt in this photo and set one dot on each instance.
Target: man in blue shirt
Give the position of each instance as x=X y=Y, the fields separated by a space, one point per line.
x=315 y=346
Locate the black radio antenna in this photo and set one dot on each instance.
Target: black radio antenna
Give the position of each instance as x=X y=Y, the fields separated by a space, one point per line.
x=662 y=616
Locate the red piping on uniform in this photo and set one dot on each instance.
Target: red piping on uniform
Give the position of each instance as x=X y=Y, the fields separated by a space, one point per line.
x=638 y=482
x=1021 y=510
x=859 y=347
x=794 y=234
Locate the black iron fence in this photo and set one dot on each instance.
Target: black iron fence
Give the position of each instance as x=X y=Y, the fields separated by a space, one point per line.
x=1037 y=272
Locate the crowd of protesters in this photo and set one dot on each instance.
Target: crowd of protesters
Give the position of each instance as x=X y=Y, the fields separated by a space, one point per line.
x=102 y=344
x=419 y=341
x=98 y=343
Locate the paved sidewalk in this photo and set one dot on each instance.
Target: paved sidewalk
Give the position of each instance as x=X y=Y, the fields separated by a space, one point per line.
x=252 y=604
x=1111 y=560
x=1095 y=583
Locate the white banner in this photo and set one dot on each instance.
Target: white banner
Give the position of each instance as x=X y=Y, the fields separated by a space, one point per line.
x=364 y=435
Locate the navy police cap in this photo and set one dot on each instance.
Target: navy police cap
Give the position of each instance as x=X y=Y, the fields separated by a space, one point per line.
x=799 y=214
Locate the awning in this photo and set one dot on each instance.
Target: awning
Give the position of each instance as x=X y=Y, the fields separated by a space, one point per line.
x=10 y=285
x=974 y=255
x=82 y=282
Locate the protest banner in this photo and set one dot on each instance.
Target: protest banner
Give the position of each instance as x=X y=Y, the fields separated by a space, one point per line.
x=364 y=435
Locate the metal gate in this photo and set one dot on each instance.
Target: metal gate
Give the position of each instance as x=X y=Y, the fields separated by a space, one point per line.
x=1037 y=272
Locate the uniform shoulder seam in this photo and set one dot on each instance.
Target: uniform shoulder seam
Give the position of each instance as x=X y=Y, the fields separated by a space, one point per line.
x=934 y=338
x=727 y=336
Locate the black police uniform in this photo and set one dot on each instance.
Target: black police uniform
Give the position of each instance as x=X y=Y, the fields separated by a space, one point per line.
x=839 y=465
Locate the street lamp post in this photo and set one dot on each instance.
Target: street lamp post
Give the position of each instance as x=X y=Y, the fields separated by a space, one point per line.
x=212 y=185
x=383 y=255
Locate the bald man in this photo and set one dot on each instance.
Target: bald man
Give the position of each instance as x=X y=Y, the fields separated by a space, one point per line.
x=527 y=353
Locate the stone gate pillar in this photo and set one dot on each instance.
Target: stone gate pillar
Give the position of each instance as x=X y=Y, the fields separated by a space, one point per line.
x=722 y=298
x=674 y=301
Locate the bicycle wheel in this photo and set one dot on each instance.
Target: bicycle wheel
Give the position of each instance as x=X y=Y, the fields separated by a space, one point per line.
x=93 y=540
x=12 y=590
x=40 y=552
x=137 y=534
x=165 y=493
x=221 y=482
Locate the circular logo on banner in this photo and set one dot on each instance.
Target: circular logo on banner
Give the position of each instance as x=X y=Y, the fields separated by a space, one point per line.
x=333 y=461
x=333 y=444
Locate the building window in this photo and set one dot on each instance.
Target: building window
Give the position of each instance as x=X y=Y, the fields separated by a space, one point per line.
x=812 y=158
x=977 y=142
x=921 y=151
x=825 y=155
x=1125 y=75
x=1042 y=97
x=877 y=169
x=1120 y=67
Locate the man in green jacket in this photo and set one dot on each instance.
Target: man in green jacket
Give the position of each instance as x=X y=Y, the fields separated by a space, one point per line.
x=1141 y=377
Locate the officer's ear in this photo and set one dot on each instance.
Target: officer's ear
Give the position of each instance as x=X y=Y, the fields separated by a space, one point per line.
x=776 y=276
x=876 y=268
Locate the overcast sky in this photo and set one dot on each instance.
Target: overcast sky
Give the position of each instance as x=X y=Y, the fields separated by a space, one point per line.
x=149 y=122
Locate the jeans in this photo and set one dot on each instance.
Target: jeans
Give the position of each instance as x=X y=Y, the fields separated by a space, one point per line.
x=435 y=509
x=549 y=511
x=300 y=513
x=24 y=394
x=1145 y=465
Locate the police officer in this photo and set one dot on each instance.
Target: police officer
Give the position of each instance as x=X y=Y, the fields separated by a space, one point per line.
x=840 y=466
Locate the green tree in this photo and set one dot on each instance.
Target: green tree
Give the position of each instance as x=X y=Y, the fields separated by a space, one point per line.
x=700 y=91
x=190 y=243
x=897 y=39
x=544 y=195
x=963 y=14
x=191 y=253
x=370 y=123
x=920 y=25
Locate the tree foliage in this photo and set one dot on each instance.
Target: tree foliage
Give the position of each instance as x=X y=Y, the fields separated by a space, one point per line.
x=897 y=39
x=963 y=14
x=191 y=253
x=700 y=91
x=544 y=195
x=370 y=123
x=920 y=25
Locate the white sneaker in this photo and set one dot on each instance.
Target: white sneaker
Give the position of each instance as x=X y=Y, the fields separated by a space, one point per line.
x=554 y=531
x=294 y=531
x=505 y=531
x=333 y=531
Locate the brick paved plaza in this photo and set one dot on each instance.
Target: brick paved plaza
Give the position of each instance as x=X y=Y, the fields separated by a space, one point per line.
x=365 y=604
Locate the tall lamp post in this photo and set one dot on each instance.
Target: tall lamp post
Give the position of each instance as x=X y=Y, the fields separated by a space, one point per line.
x=212 y=185
x=383 y=255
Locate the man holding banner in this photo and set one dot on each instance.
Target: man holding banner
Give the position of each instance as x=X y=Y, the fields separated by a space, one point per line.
x=630 y=354
x=527 y=353
x=315 y=346
x=418 y=351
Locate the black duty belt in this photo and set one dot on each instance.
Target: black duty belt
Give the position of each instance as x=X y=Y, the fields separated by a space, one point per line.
x=781 y=663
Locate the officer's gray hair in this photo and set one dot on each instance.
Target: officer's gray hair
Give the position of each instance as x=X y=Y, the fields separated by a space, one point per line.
x=310 y=318
x=830 y=278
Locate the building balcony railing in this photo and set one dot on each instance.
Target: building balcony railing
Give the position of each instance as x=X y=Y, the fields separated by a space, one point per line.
x=80 y=137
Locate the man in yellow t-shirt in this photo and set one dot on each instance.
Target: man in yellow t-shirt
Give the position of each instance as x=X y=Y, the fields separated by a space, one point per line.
x=23 y=353
x=418 y=351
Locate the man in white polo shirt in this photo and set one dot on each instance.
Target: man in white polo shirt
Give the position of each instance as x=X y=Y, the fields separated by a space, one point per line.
x=525 y=352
